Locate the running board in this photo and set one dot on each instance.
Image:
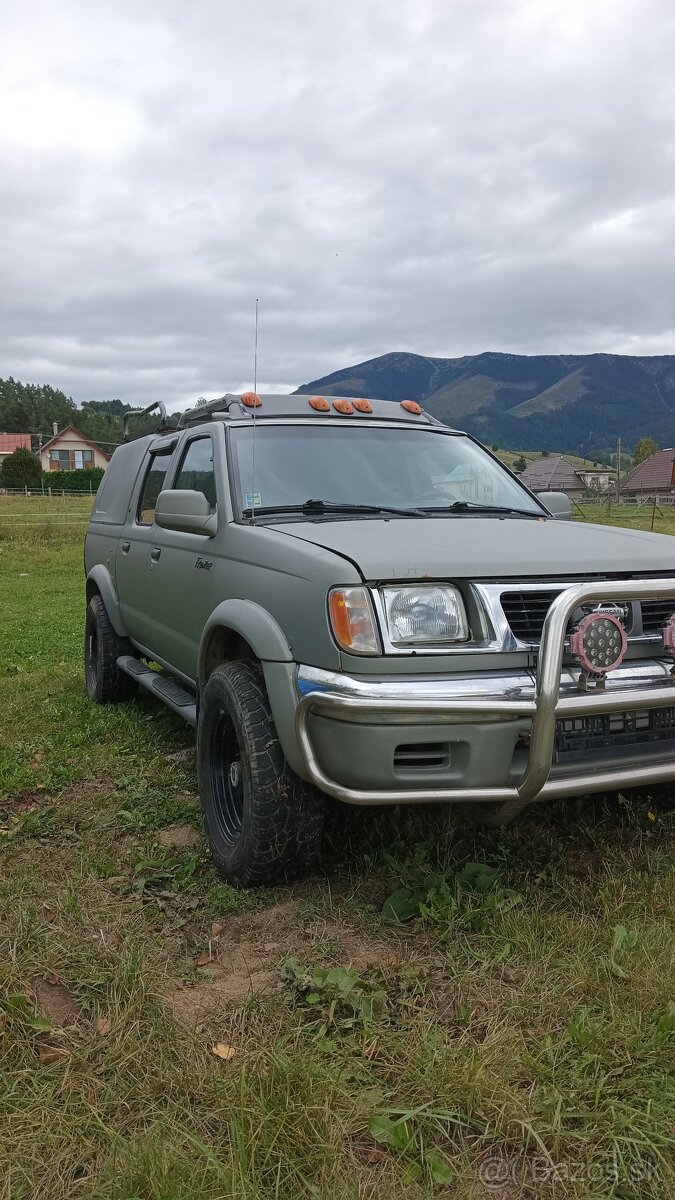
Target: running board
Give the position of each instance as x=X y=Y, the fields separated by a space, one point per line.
x=161 y=685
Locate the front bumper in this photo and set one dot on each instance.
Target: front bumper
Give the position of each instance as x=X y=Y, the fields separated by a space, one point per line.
x=516 y=700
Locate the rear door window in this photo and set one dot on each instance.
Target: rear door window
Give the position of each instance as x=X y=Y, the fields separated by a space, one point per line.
x=152 y=486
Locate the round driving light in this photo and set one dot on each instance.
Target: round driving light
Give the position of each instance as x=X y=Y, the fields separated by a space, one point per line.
x=598 y=643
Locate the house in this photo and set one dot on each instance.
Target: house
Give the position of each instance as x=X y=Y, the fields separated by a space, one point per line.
x=9 y=442
x=653 y=477
x=468 y=482
x=559 y=475
x=70 y=450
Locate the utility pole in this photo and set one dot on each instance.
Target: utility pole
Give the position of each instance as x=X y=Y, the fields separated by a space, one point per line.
x=618 y=467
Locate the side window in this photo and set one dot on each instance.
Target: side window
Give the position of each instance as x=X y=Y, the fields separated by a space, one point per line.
x=196 y=470
x=152 y=486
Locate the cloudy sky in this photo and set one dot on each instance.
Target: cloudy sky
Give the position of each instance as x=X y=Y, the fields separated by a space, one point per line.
x=442 y=176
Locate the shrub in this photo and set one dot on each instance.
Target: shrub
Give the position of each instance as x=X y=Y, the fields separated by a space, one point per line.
x=73 y=481
x=21 y=469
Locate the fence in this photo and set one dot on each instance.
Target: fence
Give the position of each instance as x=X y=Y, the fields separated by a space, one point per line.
x=51 y=492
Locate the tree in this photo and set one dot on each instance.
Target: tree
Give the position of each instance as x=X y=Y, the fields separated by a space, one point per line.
x=33 y=408
x=21 y=469
x=519 y=465
x=644 y=450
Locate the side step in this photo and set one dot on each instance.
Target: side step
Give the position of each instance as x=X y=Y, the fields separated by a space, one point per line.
x=159 y=684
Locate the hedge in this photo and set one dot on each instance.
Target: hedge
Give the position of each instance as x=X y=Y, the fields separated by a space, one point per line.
x=73 y=481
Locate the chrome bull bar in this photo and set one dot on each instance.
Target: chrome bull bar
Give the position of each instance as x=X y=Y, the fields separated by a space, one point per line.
x=547 y=707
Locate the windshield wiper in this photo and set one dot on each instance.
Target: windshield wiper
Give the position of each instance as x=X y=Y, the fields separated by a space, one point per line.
x=311 y=508
x=460 y=506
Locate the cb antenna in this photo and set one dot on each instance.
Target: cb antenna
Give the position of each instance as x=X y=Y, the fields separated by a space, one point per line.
x=255 y=391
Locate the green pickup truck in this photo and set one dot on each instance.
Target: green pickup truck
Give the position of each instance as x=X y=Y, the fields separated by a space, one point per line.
x=350 y=600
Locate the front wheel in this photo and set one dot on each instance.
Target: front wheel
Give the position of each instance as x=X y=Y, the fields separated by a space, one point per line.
x=263 y=823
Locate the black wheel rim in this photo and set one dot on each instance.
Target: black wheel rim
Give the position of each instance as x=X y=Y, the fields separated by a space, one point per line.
x=227 y=778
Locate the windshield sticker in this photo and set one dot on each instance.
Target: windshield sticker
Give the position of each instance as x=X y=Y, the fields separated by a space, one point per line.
x=253 y=499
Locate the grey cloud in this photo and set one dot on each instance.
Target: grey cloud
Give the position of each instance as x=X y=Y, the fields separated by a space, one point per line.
x=445 y=178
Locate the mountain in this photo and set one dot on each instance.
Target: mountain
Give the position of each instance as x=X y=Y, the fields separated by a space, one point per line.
x=575 y=402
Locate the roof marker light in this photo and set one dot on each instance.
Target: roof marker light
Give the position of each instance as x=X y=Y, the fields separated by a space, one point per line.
x=411 y=406
x=342 y=406
x=362 y=405
x=251 y=400
x=319 y=403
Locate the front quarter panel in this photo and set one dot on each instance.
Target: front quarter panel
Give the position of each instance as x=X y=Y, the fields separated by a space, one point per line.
x=274 y=594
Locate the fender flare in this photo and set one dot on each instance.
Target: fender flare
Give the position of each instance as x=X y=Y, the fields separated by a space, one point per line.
x=254 y=624
x=100 y=577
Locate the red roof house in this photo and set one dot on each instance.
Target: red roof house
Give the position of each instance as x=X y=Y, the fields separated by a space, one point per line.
x=9 y=442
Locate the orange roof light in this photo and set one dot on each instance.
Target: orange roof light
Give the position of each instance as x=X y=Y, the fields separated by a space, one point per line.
x=411 y=406
x=319 y=403
x=362 y=405
x=251 y=400
x=342 y=406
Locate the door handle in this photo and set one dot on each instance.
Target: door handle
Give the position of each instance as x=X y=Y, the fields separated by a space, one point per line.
x=154 y=554
x=126 y=547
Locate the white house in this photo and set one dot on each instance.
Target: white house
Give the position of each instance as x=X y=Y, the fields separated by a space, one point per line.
x=70 y=450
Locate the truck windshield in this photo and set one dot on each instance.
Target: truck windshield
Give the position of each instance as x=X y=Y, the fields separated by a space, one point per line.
x=401 y=468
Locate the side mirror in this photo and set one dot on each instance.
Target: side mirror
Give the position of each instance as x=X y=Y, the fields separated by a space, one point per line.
x=186 y=512
x=557 y=503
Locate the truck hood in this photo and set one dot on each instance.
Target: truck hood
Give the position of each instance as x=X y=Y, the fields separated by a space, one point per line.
x=483 y=548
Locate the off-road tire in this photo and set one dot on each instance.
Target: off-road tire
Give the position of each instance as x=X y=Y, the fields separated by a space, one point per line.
x=262 y=822
x=105 y=683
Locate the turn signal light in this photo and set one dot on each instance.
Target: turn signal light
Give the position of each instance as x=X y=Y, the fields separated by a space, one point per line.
x=319 y=403
x=411 y=406
x=251 y=400
x=342 y=406
x=352 y=622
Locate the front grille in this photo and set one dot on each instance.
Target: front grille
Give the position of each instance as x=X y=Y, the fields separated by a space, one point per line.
x=655 y=613
x=422 y=756
x=525 y=613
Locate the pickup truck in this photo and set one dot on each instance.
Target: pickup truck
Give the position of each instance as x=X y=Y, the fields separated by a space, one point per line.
x=353 y=602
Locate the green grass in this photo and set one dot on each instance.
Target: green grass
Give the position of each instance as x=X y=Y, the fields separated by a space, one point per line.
x=660 y=519
x=521 y=1024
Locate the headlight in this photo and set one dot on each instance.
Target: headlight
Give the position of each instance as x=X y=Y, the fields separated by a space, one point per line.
x=352 y=621
x=427 y=614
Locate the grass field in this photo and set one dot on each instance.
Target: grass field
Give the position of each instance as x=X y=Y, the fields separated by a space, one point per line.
x=516 y=1038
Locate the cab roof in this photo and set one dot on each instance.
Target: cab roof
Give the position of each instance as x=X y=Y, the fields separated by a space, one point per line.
x=250 y=405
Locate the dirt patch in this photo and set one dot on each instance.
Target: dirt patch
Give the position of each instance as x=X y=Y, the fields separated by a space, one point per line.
x=56 y=1003
x=177 y=837
x=245 y=952
x=23 y=802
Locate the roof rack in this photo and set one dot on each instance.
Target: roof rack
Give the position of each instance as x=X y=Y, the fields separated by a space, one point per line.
x=303 y=405
x=163 y=427
x=203 y=412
